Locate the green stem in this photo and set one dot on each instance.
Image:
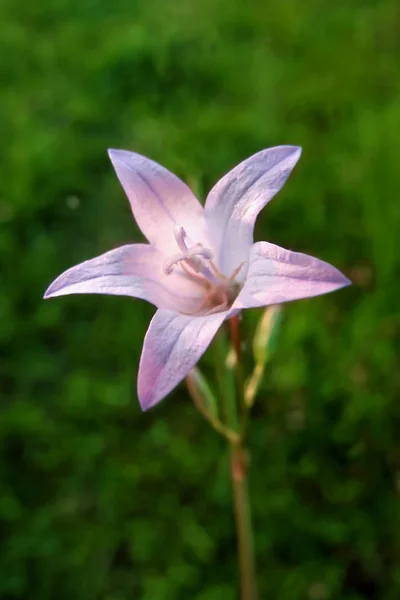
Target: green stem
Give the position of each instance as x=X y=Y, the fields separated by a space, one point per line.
x=239 y=471
x=231 y=399
x=239 y=474
x=234 y=325
x=225 y=382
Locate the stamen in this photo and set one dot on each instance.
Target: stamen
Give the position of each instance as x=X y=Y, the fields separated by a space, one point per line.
x=216 y=271
x=190 y=271
x=194 y=252
x=219 y=308
x=201 y=305
x=206 y=303
x=237 y=270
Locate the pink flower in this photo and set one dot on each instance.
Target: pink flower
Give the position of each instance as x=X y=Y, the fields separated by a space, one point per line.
x=200 y=266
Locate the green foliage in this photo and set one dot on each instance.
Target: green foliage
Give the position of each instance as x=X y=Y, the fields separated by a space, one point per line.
x=99 y=501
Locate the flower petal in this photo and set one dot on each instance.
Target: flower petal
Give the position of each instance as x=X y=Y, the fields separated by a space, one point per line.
x=277 y=275
x=172 y=346
x=132 y=270
x=159 y=200
x=233 y=204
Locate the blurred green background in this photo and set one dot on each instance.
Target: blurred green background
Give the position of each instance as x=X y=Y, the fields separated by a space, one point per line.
x=99 y=501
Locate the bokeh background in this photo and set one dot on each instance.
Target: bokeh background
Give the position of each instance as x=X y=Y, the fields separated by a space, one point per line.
x=99 y=501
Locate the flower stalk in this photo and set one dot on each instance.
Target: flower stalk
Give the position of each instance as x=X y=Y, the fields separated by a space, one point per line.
x=239 y=458
x=233 y=428
x=239 y=474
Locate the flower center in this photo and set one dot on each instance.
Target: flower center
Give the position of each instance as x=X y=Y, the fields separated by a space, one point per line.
x=197 y=263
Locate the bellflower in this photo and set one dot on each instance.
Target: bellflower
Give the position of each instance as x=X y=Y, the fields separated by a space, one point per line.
x=200 y=265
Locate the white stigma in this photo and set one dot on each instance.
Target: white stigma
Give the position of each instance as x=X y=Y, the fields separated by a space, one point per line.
x=190 y=256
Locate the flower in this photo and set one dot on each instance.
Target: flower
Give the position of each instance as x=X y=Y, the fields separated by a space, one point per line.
x=200 y=266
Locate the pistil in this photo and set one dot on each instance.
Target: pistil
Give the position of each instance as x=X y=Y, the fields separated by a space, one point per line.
x=198 y=265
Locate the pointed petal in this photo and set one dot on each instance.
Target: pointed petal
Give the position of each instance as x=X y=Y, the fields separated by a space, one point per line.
x=133 y=270
x=172 y=346
x=277 y=275
x=159 y=200
x=233 y=204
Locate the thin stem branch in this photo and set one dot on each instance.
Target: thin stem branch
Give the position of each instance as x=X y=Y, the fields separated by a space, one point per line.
x=222 y=429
